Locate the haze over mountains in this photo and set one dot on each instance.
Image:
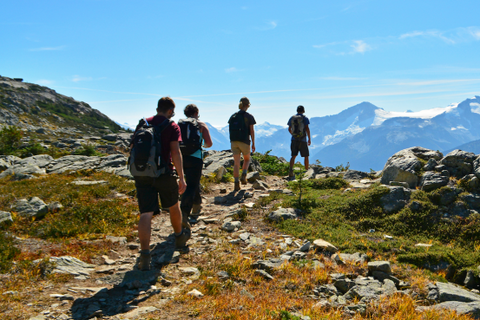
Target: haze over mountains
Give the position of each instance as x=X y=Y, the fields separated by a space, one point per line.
x=365 y=136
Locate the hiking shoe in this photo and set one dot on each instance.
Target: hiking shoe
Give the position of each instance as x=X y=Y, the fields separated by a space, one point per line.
x=181 y=240
x=236 y=186
x=243 y=179
x=143 y=263
x=196 y=209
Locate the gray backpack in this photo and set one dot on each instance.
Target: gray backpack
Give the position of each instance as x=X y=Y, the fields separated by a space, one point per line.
x=298 y=126
x=145 y=156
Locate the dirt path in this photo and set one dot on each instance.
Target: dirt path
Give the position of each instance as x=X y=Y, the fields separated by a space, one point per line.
x=111 y=288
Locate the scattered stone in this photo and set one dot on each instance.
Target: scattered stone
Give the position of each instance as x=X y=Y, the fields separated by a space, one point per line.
x=284 y=214
x=5 y=217
x=264 y=274
x=195 y=293
x=324 y=246
x=33 y=207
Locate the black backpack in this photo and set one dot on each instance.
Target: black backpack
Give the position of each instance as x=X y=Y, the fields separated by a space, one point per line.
x=237 y=127
x=191 y=140
x=145 y=155
x=298 y=126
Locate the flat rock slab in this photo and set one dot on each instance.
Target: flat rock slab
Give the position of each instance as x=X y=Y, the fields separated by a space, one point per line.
x=452 y=292
x=71 y=265
x=467 y=308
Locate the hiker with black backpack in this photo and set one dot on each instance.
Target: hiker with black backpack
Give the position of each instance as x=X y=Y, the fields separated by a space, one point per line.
x=155 y=144
x=195 y=134
x=241 y=130
x=298 y=128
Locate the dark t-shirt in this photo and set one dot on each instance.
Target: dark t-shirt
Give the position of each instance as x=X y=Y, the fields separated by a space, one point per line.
x=170 y=133
x=249 y=120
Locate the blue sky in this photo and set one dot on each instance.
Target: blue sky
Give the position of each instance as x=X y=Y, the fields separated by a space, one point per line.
x=122 y=56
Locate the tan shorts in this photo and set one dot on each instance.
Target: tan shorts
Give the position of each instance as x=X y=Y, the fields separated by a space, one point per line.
x=240 y=147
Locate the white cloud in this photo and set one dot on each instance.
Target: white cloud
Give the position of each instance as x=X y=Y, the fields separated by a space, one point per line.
x=48 y=48
x=429 y=33
x=474 y=32
x=230 y=70
x=270 y=25
x=77 y=78
x=359 y=46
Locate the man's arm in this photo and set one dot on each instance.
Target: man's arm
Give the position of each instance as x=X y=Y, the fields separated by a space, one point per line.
x=252 y=134
x=207 y=140
x=307 y=130
x=178 y=163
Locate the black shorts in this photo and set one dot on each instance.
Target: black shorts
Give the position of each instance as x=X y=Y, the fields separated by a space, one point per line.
x=301 y=146
x=148 y=190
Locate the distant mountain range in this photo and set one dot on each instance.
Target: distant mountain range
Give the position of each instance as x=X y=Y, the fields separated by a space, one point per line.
x=365 y=136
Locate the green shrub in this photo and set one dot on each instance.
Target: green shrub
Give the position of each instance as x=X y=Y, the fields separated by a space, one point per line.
x=270 y=164
x=34 y=149
x=10 y=138
x=8 y=251
x=329 y=183
x=88 y=150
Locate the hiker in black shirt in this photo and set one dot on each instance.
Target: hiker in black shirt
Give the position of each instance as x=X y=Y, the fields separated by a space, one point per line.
x=298 y=128
x=241 y=130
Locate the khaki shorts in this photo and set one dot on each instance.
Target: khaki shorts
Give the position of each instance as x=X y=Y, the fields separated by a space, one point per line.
x=240 y=147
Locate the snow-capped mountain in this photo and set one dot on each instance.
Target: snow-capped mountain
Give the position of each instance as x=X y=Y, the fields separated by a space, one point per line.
x=437 y=129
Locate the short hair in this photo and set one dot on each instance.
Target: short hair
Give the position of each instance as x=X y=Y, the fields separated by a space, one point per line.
x=190 y=110
x=165 y=104
x=244 y=103
x=300 y=109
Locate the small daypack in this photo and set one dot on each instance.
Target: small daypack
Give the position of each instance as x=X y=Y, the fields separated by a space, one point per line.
x=145 y=155
x=191 y=140
x=237 y=127
x=298 y=126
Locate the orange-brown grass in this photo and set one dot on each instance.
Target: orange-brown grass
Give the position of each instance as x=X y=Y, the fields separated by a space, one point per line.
x=402 y=307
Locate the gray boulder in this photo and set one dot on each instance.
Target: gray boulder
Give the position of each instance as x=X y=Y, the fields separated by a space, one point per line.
x=73 y=163
x=433 y=180
x=22 y=170
x=452 y=292
x=459 y=163
x=463 y=308
x=215 y=161
x=33 y=207
x=5 y=217
x=355 y=175
x=284 y=214
x=396 y=199
x=41 y=161
x=383 y=266
x=402 y=167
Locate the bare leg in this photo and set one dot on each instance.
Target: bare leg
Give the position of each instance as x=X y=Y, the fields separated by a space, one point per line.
x=176 y=218
x=246 y=162
x=306 y=163
x=144 y=229
x=236 y=165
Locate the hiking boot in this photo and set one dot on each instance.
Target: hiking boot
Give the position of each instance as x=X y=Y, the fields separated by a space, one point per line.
x=181 y=240
x=236 y=186
x=243 y=179
x=185 y=222
x=143 y=263
x=196 y=209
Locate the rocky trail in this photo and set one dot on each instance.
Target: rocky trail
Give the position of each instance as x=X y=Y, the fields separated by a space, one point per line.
x=111 y=287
